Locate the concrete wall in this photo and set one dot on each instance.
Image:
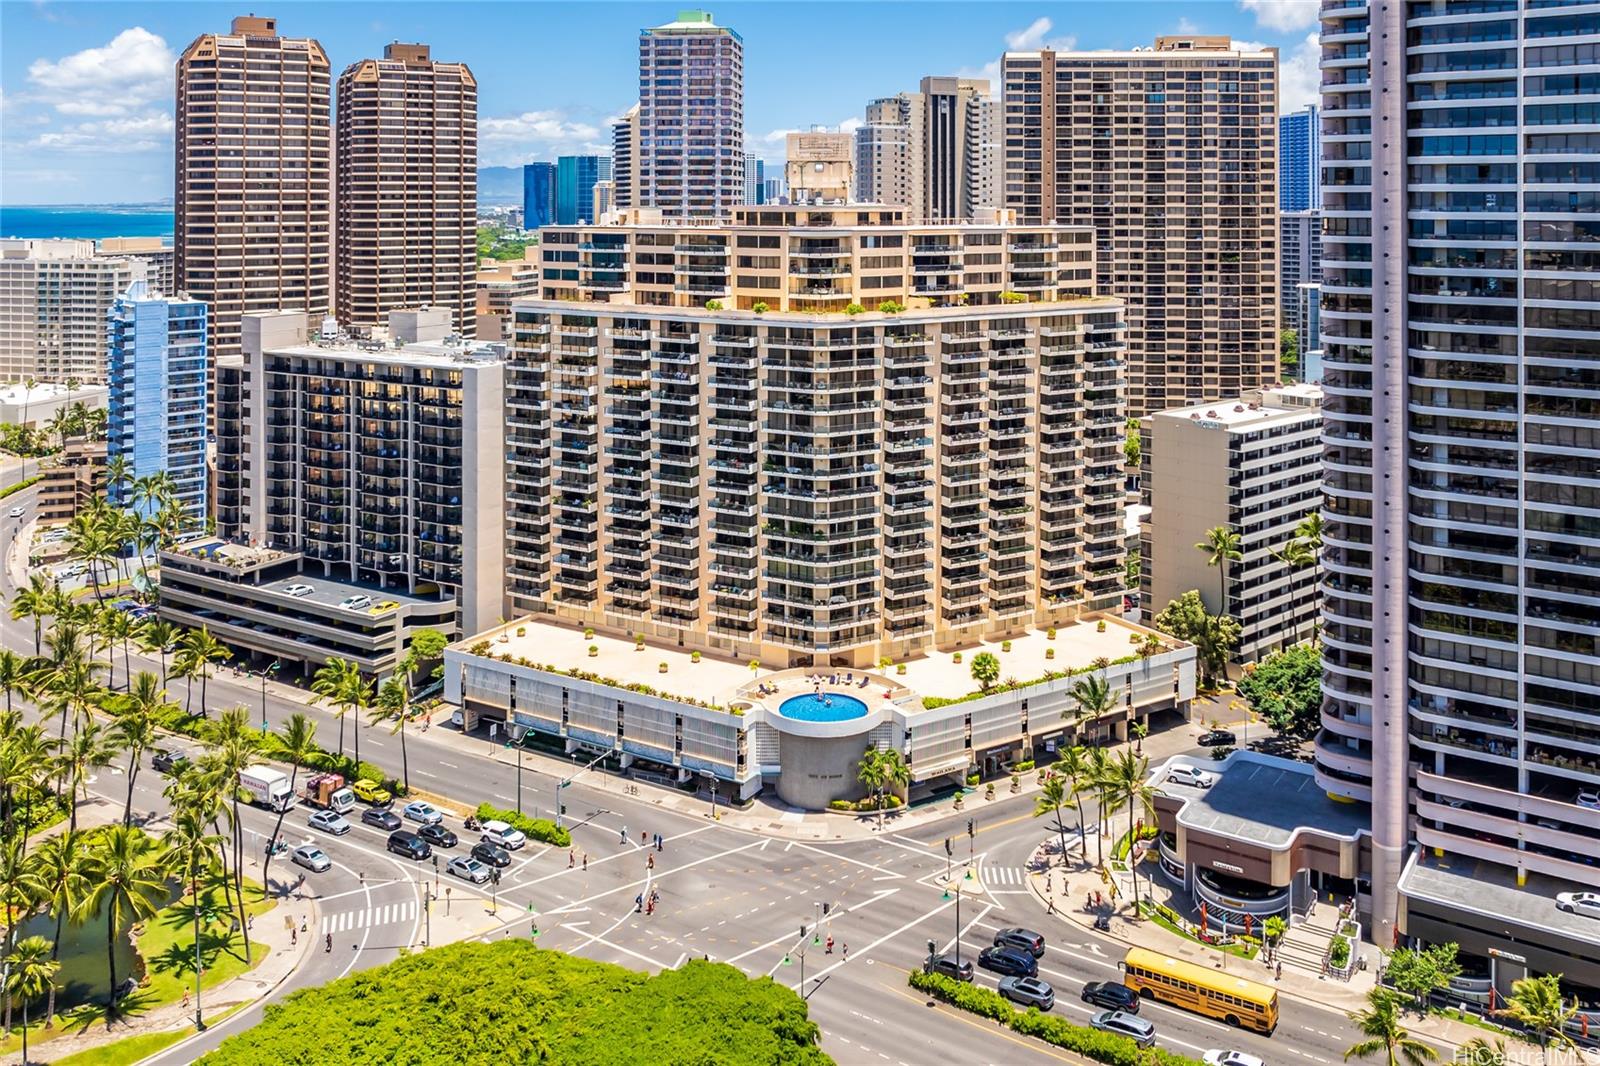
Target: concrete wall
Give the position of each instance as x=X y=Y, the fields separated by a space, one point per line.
x=818 y=770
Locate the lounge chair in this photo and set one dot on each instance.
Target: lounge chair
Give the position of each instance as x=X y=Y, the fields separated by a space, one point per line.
x=864 y=682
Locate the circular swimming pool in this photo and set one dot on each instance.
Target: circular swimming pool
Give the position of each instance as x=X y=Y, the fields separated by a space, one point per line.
x=822 y=707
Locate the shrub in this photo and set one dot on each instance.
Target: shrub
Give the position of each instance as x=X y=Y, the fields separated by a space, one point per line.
x=1005 y=645
x=1050 y=634
x=713 y=305
x=759 y=307
x=1049 y=653
x=956 y=657
x=900 y=668
x=840 y=805
x=541 y=829
x=1221 y=752
x=663 y=668
x=522 y=631
x=1100 y=626
x=853 y=308
x=1022 y=767
x=1012 y=298
x=972 y=778
x=1339 y=952
x=588 y=633
x=594 y=649
x=891 y=307
x=891 y=801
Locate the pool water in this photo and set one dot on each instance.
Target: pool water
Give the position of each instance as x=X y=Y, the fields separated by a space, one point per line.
x=826 y=707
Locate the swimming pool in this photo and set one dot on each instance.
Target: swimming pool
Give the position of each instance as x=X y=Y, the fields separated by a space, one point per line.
x=824 y=707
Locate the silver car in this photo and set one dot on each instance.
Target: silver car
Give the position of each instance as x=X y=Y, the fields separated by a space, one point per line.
x=329 y=822
x=311 y=857
x=426 y=813
x=468 y=870
x=1122 y=1023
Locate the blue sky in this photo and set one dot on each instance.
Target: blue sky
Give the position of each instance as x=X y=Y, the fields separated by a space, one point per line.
x=86 y=87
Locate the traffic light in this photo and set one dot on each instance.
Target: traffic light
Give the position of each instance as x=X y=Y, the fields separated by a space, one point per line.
x=970 y=831
x=826 y=906
x=947 y=849
x=494 y=876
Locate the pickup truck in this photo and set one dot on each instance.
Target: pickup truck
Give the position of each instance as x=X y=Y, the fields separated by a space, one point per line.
x=327 y=792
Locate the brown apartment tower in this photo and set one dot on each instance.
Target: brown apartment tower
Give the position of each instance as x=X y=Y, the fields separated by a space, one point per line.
x=254 y=227
x=1171 y=153
x=408 y=188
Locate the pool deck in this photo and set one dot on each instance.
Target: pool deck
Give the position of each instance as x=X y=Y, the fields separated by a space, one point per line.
x=773 y=689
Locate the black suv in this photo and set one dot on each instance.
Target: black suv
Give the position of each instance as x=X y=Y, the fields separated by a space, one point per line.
x=1212 y=738
x=171 y=763
x=949 y=967
x=437 y=835
x=1111 y=996
x=404 y=842
x=1008 y=960
x=490 y=855
x=381 y=818
x=1021 y=939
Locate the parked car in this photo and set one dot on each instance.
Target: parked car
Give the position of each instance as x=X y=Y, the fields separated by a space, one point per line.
x=490 y=855
x=1212 y=738
x=171 y=763
x=1218 y=1057
x=1028 y=991
x=949 y=967
x=1112 y=996
x=382 y=607
x=1585 y=903
x=381 y=818
x=298 y=589
x=329 y=822
x=371 y=792
x=468 y=869
x=404 y=842
x=1590 y=800
x=1008 y=961
x=426 y=813
x=1190 y=775
x=1021 y=939
x=1122 y=1023
x=356 y=603
x=311 y=857
x=437 y=835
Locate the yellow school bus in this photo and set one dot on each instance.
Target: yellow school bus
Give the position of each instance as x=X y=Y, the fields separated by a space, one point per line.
x=1201 y=989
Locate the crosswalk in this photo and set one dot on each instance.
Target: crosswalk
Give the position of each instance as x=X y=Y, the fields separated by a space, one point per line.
x=1004 y=875
x=380 y=915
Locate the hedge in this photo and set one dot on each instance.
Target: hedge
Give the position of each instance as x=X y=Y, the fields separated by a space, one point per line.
x=1090 y=1043
x=930 y=703
x=26 y=482
x=541 y=829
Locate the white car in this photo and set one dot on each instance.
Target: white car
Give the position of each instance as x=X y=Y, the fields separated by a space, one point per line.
x=311 y=857
x=468 y=870
x=329 y=822
x=356 y=603
x=1590 y=800
x=298 y=589
x=1585 y=903
x=426 y=813
x=16 y=512
x=1191 y=775
x=1216 y=1057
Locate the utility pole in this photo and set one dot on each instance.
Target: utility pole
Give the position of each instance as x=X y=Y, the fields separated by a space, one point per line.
x=568 y=781
x=519 y=777
x=427 y=916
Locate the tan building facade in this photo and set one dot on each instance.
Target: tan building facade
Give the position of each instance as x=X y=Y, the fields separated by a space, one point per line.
x=937 y=151
x=1183 y=196
x=819 y=167
x=77 y=477
x=408 y=188
x=254 y=223
x=54 y=295
x=500 y=282
x=814 y=259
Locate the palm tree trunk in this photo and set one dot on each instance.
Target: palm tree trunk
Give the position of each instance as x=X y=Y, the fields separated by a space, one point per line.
x=277 y=828
x=111 y=961
x=205 y=676
x=50 y=998
x=25 y=1027
x=341 y=738
x=1062 y=829
x=357 y=731
x=1083 y=835
x=1133 y=861
x=238 y=875
x=133 y=771
x=38 y=633
x=405 y=762
x=222 y=856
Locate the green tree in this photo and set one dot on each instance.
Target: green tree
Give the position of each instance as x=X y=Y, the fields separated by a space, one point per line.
x=1221 y=546
x=90 y=748
x=127 y=885
x=1130 y=444
x=31 y=972
x=1093 y=699
x=1049 y=801
x=1285 y=688
x=199 y=649
x=1072 y=764
x=1128 y=785
x=35 y=603
x=63 y=864
x=135 y=729
x=338 y=681
x=1382 y=1033
x=156 y=637
x=1214 y=637
x=985 y=669
x=13 y=674
x=299 y=743
x=1535 y=1003
x=1289 y=352
x=1419 y=973
x=235 y=745
x=191 y=855
x=20 y=891
x=870 y=771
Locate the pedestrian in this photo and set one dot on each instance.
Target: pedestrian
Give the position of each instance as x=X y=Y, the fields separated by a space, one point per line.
x=644 y=837
x=572 y=857
x=1052 y=909
x=294 y=936
x=829 y=950
x=638 y=903
x=1278 y=976
x=327 y=942
x=185 y=999
x=623 y=839
x=846 y=949
x=586 y=860
x=659 y=842
x=651 y=863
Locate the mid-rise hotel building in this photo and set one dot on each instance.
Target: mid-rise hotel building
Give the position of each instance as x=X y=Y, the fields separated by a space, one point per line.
x=803 y=485
x=54 y=295
x=1171 y=155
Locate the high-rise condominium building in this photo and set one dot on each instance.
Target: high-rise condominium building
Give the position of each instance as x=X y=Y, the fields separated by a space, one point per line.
x=1299 y=261
x=254 y=211
x=816 y=259
x=1252 y=466
x=575 y=178
x=935 y=151
x=159 y=393
x=152 y=255
x=54 y=295
x=624 y=149
x=381 y=463
x=500 y=282
x=755 y=176
x=775 y=190
x=1299 y=160
x=408 y=188
x=538 y=195
x=1183 y=197
x=1461 y=666
x=818 y=489
x=689 y=161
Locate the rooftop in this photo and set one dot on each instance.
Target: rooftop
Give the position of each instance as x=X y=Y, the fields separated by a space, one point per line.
x=910 y=316
x=1252 y=410
x=1263 y=800
x=421 y=353
x=49 y=390
x=1491 y=890
x=326 y=591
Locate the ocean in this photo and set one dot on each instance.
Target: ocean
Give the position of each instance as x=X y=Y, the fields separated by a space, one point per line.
x=85 y=221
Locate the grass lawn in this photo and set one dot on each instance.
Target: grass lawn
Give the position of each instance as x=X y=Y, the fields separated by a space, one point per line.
x=136 y=1048
x=1236 y=949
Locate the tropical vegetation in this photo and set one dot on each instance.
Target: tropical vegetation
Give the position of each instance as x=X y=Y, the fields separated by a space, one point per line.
x=1383 y=1036
x=1213 y=636
x=1285 y=688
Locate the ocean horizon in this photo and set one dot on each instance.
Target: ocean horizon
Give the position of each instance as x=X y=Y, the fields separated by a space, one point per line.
x=86 y=221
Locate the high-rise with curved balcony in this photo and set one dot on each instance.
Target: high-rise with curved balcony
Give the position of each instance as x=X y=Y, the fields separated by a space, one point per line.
x=1462 y=402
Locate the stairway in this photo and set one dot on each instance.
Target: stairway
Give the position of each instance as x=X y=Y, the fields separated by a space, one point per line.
x=1306 y=943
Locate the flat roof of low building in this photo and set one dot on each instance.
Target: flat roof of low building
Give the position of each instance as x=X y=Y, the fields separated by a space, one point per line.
x=1252 y=409
x=42 y=391
x=1261 y=799
x=910 y=316
x=418 y=353
x=1491 y=889
x=325 y=590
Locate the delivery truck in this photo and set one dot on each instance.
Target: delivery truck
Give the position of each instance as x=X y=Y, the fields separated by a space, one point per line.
x=327 y=792
x=268 y=788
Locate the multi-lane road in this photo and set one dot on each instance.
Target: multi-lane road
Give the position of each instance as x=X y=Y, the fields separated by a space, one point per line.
x=739 y=895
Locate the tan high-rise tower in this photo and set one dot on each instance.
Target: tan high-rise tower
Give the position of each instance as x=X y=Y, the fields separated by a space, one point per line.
x=408 y=188
x=254 y=222
x=1171 y=154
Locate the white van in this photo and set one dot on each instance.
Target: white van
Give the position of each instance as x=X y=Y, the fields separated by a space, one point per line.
x=502 y=835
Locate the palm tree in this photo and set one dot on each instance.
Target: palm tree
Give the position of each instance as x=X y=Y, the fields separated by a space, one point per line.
x=1535 y=1003
x=154 y=638
x=91 y=747
x=1379 y=1023
x=1049 y=801
x=338 y=681
x=200 y=649
x=33 y=970
x=25 y=766
x=870 y=770
x=1093 y=698
x=20 y=890
x=135 y=731
x=1297 y=554
x=237 y=746
x=1310 y=530
x=1139 y=730
x=33 y=602
x=1072 y=767
x=896 y=775
x=1128 y=782
x=299 y=742
x=13 y=674
x=1221 y=547
x=89 y=543
x=190 y=852
x=1483 y=1052
x=127 y=885
x=1097 y=782
x=63 y=862
x=118 y=470
x=117 y=627
x=153 y=491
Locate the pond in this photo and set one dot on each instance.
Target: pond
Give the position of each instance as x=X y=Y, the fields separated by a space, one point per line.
x=83 y=977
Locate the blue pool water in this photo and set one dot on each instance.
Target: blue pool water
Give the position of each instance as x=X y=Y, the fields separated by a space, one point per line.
x=828 y=707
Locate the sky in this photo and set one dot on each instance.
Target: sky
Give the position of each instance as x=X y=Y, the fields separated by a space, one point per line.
x=86 y=87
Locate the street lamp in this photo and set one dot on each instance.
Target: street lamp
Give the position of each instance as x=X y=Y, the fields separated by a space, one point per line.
x=264 y=675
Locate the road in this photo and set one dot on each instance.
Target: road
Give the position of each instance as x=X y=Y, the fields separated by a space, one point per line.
x=728 y=894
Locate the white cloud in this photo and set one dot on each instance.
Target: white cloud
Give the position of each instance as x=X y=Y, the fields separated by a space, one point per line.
x=113 y=136
x=1185 y=27
x=1036 y=36
x=1285 y=16
x=131 y=72
x=1299 y=75
x=510 y=140
x=850 y=125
